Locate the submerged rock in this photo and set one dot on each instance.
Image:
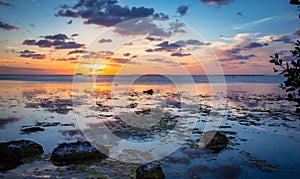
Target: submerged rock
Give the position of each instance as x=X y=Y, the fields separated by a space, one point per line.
x=76 y=152
x=28 y=130
x=150 y=91
x=150 y=171
x=214 y=140
x=12 y=152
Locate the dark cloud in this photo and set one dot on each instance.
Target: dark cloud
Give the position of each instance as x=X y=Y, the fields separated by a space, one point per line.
x=77 y=52
x=66 y=59
x=104 y=12
x=120 y=60
x=61 y=37
x=166 y=46
x=58 y=41
x=151 y=27
x=234 y=53
x=284 y=38
x=216 y=2
x=74 y=35
x=2 y=2
x=142 y=27
x=67 y=13
x=179 y=54
x=105 y=41
x=175 y=48
x=252 y=45
x=192 y=42
x=182 y=10
x=153 y=38
x=126 y=54
x=29 y=42
x=238 y=57
x=6 y=26
x=100 y=54
x=43 y=43
x=149 y=50
x=239 y=14
x=69 y=45
x=33 y=56
x=27 y=51
x=296 y=32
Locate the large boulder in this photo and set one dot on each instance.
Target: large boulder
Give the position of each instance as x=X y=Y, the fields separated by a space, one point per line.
x=11 y=153
x=75 y=152
x=150 y=171
x=214 y=140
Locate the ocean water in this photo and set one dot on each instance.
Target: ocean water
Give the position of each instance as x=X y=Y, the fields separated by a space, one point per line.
x=148 y=79
x=261 y=125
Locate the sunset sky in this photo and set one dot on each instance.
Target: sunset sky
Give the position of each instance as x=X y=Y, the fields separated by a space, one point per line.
x=171 y=37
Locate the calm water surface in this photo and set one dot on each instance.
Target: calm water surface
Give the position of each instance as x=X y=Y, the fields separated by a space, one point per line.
x=263 y=130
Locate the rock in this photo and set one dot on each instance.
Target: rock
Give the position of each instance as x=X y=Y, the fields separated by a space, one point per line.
x=174 y=103
x=214 y=140
x=31 y=129
x=12 y=152
x=75 y=152
x=150 y=171
x=150 y=91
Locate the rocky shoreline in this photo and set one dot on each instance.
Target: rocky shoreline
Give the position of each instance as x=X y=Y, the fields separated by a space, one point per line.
x=13 y=152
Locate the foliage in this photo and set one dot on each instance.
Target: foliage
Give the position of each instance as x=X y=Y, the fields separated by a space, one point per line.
x=291 y=72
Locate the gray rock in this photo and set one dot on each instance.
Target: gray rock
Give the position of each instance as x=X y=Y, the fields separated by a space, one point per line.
x=150 y=171
x=76 y=152
x=12 y=152
x=150 y=91
x=214 y=140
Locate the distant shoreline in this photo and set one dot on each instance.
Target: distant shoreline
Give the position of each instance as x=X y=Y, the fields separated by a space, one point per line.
x=134 y=75
x=152 y=79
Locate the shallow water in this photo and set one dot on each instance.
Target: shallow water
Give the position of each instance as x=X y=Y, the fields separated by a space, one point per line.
x=263 y=130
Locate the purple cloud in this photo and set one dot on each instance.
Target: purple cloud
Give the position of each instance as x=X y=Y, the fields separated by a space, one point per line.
x=58 y=41
x=103 y=12
x=66 y=59
x=252 y=45
x=33 y=56
x=61 y=37
x=43 y=43
x=104 y=41
x=77 y=52
x=238 y=57
x=69 y=45
x=284 y=38
x=179 y=54
x=6 y=26
x=182 y=10
x=5 y=3
x=29 y=42
x=192 y=42
x=27 y=51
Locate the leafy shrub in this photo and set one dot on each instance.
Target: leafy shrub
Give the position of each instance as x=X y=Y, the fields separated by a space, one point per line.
x=291 y=72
